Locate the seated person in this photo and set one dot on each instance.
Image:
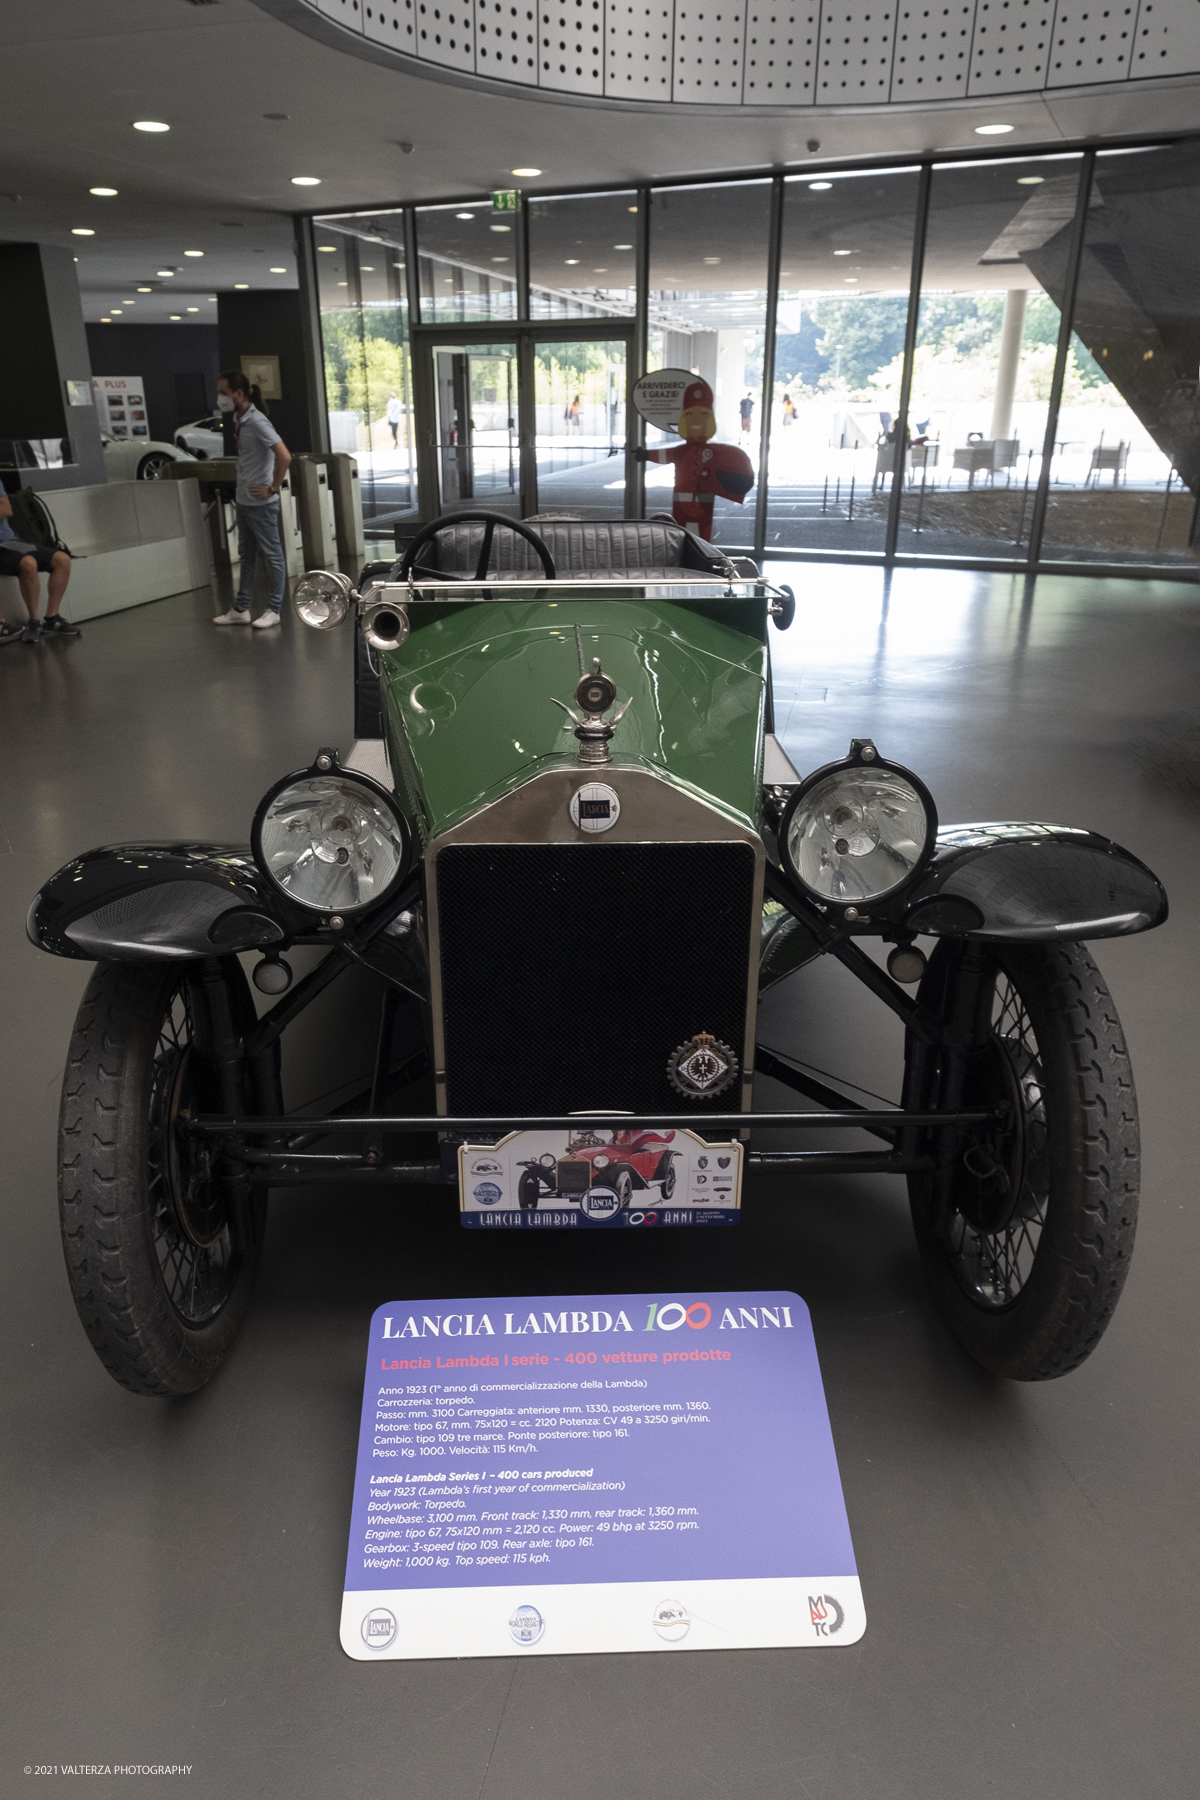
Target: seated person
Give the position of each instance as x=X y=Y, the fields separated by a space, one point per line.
x=26 y=562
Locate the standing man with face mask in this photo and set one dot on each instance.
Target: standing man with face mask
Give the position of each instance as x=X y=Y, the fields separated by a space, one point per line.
x=263 y=461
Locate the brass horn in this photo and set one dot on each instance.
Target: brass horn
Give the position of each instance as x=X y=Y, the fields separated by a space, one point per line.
x=385 y=625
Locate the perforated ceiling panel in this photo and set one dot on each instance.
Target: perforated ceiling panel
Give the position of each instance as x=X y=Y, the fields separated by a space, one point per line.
x=638 y=50
x=571 y=46
x=1011 y=52
x=933 y=50
x=732 y=53
x=857 y=42
x=710 y=39
x=781 y=54
x=506 y=40
x=1168 y=38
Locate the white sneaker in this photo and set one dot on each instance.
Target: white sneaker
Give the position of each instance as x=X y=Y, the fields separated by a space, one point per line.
x=267 y=618
x=232 y=618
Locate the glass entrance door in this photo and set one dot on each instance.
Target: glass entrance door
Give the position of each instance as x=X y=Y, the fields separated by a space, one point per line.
x=476 y=401
x=530 y=421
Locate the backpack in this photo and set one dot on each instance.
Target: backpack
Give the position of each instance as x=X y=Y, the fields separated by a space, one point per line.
x=32 y=520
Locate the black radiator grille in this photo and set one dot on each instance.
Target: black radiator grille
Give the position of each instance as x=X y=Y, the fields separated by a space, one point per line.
x=571 y=971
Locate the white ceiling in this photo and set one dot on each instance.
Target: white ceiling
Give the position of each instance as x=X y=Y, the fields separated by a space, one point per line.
x=77 y=73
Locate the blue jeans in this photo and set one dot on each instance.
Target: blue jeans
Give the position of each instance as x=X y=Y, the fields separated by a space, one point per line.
x=258 y=529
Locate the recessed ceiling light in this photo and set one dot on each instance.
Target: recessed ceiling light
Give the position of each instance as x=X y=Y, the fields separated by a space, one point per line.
x=712 y=260
x=106 y=321
x=242 y=285
x=366 y=268
x=115 y=310
x=851 y=280
x=819 y=187
x=129 y=303
x=631 y=209
x=145 y=290
x=277 y=271
x=82 y=231
x=993 y=130
x=212 y=299
x=530 y=172
x=843 y=253
x=150 y=125
x=397 y=265
x=599 y=271
x=571 y=261
x=306 y=181
x=193 y=309
x=327 y=249
x=464 y=215
x=343 y=284
x=193 y=253
x=104 y=193
x=176 y=318
x=622 y=246
x=1029 y=180
x=500 y=228
x=499 y=259
x=165 y=273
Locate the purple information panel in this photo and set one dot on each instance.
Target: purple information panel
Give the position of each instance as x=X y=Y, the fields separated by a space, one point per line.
x=581 y=1473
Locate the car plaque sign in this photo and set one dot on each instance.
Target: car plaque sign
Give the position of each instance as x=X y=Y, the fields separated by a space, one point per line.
x=574 y=1474
x=639 y=1178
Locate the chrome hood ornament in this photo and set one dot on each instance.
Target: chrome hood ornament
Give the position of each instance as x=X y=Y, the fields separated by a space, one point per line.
x=594 y=695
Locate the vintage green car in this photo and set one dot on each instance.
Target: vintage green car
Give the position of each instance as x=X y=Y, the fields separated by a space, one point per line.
x=570 y=849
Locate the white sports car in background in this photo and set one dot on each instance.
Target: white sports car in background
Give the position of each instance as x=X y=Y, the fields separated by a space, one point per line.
x=140 y=459
x=202 y=438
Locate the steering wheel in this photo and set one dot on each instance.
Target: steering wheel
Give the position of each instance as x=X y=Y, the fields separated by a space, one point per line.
x=489 y=520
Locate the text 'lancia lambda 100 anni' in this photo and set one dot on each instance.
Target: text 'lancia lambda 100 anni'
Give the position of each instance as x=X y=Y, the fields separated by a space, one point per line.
x=565 y=782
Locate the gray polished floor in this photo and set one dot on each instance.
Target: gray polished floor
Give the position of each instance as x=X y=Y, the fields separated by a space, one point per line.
x=1028 y=1554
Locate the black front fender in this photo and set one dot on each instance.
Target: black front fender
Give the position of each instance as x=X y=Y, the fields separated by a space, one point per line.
x=1048 y=883
x=157 y=903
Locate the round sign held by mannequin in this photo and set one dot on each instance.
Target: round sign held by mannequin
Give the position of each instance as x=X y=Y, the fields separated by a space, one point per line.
x=658 y=396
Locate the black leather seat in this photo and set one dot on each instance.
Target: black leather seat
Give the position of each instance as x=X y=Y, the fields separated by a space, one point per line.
x=613 y=549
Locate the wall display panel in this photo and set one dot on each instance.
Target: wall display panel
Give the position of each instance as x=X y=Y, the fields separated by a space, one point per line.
x=710 y=48
x=363 y=299
x=467 y=260
x=571 y=46
x=707 y=308
x=781 y=53
x=858 y=40
x=997 y=249
x=933 y=50
x=581 y=256
x=1091 y=42
x=1126 y=470
x=639 y=50
x=845 y=262
x=1011 y=48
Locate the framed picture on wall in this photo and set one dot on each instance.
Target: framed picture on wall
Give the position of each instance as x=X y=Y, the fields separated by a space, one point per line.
x=264 y=370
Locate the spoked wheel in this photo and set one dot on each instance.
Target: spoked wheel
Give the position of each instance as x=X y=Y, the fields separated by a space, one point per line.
x=156 y=466
x=161 y=1250
x=1027 y=1231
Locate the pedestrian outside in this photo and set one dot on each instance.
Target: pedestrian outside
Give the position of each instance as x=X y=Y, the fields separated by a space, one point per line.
x=789 y=409
x=393 y=419
x=746 y=408
x=263 y=461
x=28 y=562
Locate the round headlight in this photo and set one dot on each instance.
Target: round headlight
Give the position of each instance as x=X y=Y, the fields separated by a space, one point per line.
x=333 y=842
x=857 y=830
x=322 y=598
x=599 y=1162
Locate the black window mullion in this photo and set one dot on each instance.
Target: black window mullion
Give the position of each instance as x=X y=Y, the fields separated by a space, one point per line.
x=920 y=231
x=774 y=258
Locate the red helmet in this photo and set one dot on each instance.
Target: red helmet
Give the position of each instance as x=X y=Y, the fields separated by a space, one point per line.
x=697 y=393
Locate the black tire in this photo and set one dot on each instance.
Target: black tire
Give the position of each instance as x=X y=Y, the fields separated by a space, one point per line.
x=1026 y=1244
x=529 y=1190
x=161 y=1260
x=155 y=466
x=666 y=1174
x=622 y=1185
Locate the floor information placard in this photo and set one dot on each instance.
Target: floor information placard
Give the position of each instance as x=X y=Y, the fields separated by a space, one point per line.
x=582 y=1473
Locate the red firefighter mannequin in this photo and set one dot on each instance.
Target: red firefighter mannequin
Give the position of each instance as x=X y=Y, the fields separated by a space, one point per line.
x=702 y=470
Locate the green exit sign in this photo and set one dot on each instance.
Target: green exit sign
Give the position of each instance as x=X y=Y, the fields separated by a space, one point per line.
x=506 y=200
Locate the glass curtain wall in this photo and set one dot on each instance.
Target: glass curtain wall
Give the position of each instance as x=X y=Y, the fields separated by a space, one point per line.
x=844 y=274
x=363 y=301
x=997 y=254
x=1126 y=470
x=582 y=262
x=467 y=258
x=707 y=312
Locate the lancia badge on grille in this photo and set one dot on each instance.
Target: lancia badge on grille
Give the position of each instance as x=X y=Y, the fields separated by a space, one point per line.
x=595 y=807
x=702 y=1067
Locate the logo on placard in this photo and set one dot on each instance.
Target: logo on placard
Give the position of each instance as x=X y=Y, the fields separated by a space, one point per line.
x=526 y=1625
x=723 y=1162
x=672 y=1620
x=483 y=1167
x=826 y=1615
x=487 y=1193
x=595 y=807
x=600 y=1203
x=379 y=1628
